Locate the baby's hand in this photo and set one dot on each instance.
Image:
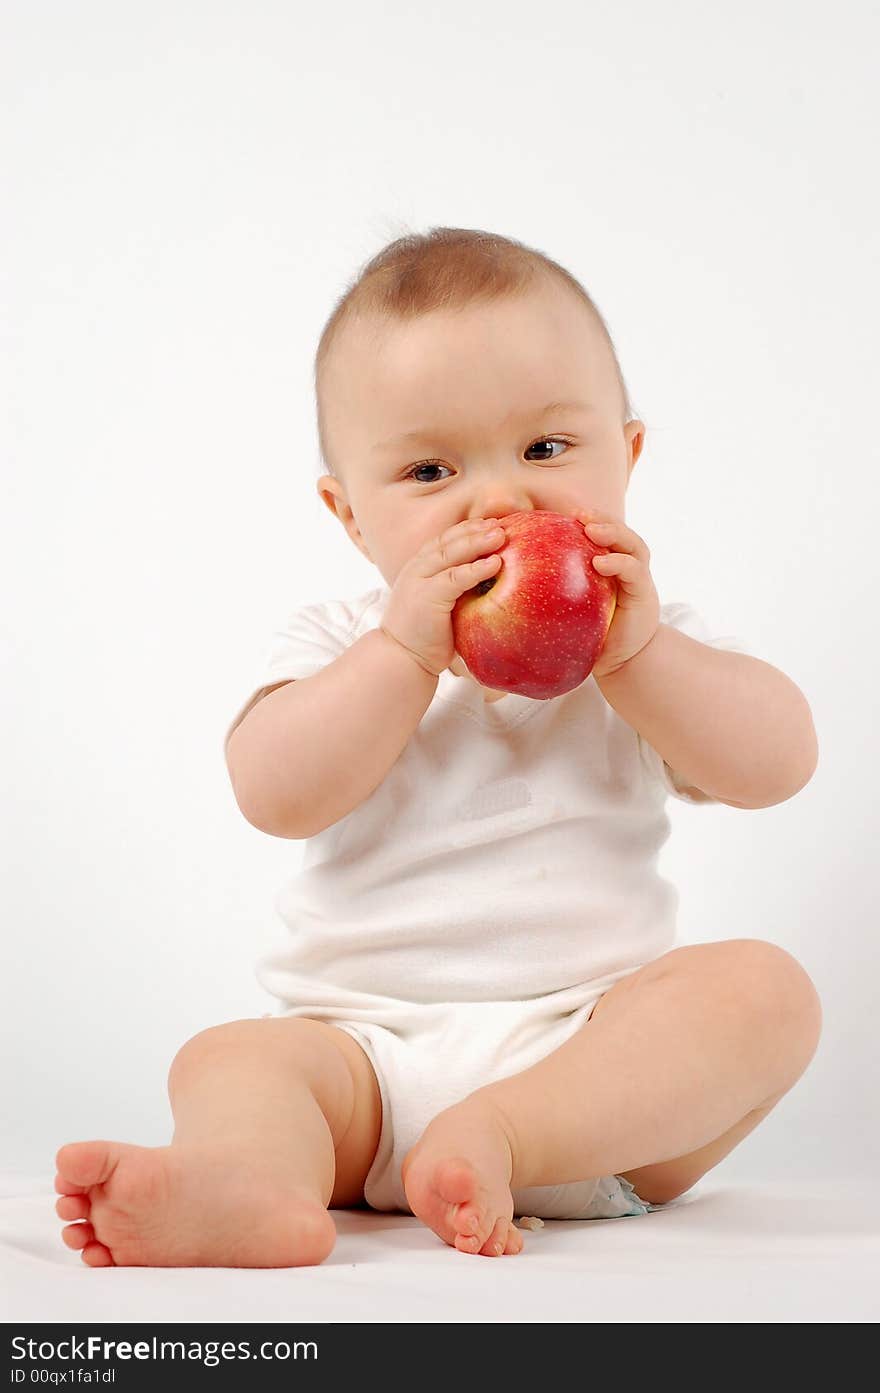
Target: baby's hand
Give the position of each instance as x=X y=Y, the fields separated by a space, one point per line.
x=419 y=612
x=637 y=612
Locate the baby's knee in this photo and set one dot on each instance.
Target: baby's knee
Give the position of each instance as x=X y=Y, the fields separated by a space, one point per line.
x=780 y=987
x=297 y=1039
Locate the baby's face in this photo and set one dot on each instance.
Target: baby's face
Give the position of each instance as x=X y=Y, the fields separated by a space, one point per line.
x=446 y=418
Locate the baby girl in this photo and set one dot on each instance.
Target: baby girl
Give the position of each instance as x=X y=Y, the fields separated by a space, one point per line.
x=482 y=1010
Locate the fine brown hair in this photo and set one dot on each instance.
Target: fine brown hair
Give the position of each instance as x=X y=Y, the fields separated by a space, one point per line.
x=443 y=268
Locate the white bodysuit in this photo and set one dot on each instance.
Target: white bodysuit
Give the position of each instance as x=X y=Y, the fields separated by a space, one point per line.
x=465 y=919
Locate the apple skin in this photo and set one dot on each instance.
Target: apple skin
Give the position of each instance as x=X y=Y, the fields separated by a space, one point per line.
x=539 y=625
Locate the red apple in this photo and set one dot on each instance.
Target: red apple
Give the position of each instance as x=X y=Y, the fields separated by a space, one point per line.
x=538 y=626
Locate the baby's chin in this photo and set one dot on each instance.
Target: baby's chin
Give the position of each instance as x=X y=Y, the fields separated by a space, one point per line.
x=458 y=669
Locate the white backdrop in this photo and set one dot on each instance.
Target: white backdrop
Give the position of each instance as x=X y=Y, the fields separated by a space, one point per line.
x=188 y=187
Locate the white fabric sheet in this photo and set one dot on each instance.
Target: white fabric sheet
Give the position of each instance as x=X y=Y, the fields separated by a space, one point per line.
x=725 y=1252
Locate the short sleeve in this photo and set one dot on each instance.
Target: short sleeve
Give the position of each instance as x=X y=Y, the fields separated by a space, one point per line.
x=688 y=621
x=311 y=637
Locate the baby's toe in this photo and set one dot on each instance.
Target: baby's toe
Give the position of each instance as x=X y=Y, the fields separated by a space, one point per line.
x=78 y=1235
x=467 y=1245
x=97 y=1255
x=73 y=1207
x=467 y=1219
x=514 y=1241
x=82 y=1164
x=472 y=1227
x=63 y=1186
x=495 y=1243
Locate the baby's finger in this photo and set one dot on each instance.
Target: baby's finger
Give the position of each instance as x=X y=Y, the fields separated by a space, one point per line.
x=629 y=572
x=452 y=556
x=620 y=537
x=471 y=574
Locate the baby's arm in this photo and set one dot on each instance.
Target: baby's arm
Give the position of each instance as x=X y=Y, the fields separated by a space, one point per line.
x=312 y=750
x=732 y=725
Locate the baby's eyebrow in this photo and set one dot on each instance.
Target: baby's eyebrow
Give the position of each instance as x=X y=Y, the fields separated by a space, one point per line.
x=532 y=413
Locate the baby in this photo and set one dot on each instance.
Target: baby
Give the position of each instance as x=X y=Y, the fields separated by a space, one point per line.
x=483 y=1010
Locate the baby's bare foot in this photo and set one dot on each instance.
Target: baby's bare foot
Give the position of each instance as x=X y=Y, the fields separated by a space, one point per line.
x=457 y=1180
x=186 y=1206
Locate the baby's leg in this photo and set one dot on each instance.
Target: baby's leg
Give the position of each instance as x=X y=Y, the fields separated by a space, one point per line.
x=275 y=1119
x=677 y=1064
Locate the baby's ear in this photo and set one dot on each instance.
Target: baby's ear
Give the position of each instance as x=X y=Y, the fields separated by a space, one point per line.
x=332 y=494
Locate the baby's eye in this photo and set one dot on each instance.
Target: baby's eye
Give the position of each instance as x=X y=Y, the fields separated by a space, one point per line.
x=426 y=464
x=549 y=440
x=435 y=464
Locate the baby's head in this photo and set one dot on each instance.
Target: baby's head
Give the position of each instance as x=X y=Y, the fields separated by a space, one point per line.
x=444 y=379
